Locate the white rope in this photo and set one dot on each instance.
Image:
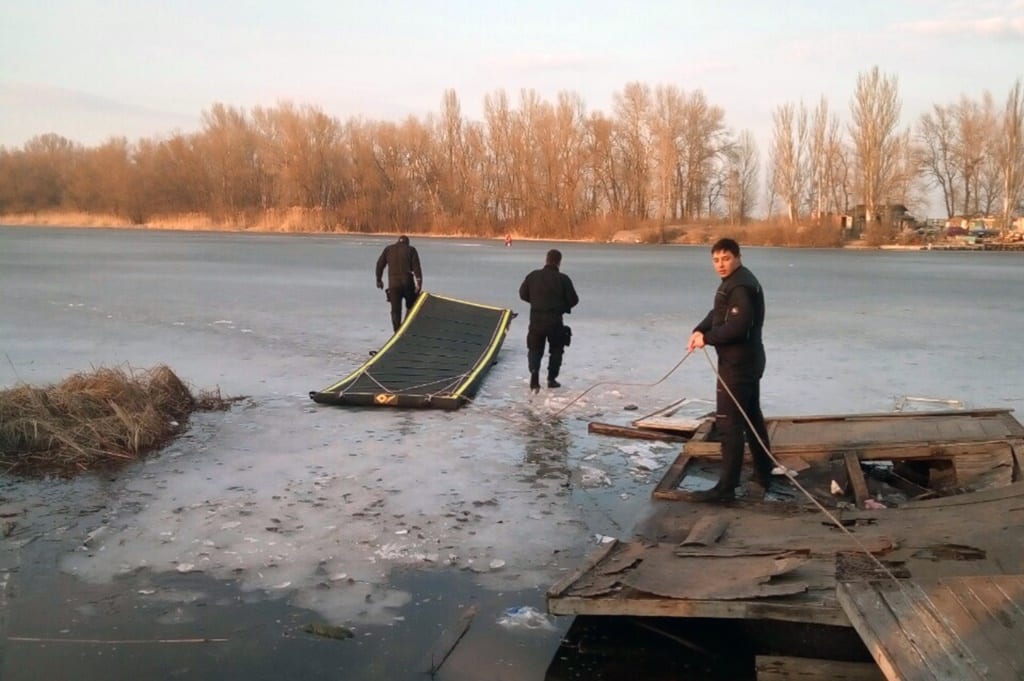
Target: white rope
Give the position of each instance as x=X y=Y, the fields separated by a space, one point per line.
x=635 y=385
x=451 y=381
x=792 y=478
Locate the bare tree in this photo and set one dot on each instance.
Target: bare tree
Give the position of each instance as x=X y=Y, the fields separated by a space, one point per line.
x=228 y=147
x=667 y=122
x=501 y=150
x=633 y=147
x=936 y=146
x=789 y=157
x=1011 y=152
x=569 y=139
x=825 y=169
x=741 y=189
x=875 y=112
x=703 y=146
x=604 y=193
x=969 y=151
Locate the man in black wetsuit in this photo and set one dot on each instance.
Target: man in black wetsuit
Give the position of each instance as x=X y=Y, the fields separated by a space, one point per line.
x=405 y=277
x=550 y=295
x=733 y=328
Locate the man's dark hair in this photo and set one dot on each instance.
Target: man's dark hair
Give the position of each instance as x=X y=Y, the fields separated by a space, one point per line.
x=403 y=239
x=726 y=244
x=554 y=257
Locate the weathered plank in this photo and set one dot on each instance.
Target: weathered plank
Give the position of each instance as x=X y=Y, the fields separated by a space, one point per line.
x=598 y=428
x=817 y=612
x=1012 y=491
x=446 y=642
x=668 y=486
x=593 y=559
x=857 y=482
x=779 y=668
x=905 y=637
x=662 y=573
x=706 y=530
x=969 y=604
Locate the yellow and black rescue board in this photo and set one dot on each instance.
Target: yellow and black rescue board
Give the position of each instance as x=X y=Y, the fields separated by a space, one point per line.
x=436 y=360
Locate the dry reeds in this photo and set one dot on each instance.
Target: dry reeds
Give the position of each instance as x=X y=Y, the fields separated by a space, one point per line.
x=94 y=420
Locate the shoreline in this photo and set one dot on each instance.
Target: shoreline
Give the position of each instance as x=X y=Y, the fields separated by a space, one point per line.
x=87 y=221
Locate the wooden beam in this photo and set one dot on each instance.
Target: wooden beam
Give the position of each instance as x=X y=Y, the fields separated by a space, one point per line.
x=668 y=486
x=810 y=613
x=446 y=643
x=779 y=668
x=890 y=414
x=598 y=428
x=909 y=640
x=593 y=559
x=1015 y=490
x=857 y=482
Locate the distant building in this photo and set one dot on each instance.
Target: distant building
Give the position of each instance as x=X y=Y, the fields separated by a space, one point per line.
x=894 y=214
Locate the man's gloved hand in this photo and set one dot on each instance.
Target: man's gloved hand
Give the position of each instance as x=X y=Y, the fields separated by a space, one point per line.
x=380 y=284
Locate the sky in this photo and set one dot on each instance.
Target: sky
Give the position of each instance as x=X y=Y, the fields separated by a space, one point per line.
x=92 y=69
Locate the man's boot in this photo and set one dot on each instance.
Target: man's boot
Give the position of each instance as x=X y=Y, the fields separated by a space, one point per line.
x=535 y=381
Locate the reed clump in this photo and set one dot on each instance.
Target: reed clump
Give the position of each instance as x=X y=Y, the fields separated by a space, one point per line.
x=95 y=420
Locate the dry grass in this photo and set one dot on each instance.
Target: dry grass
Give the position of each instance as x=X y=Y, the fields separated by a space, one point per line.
x=94 y=420
x=64 y=219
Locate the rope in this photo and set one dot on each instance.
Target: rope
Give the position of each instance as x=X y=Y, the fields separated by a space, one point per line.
x=791 y=475
x=451 y=381
x=635 y=385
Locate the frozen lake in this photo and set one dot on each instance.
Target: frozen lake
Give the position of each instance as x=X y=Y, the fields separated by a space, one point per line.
x=282 y=512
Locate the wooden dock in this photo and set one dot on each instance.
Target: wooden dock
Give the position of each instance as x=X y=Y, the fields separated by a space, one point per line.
x=955 y=629
x=931 y=585
x=974 y=449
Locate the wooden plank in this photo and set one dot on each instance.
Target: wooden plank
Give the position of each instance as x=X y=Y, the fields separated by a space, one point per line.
x=593 y=559
x=706 y=530
x=598 y=428
x=939 y=413
x=704 y=430
x=1012 y=424
x=670 y=425
x=1015 y=490
x=446 y=642
x=863 y=606
x=668 y=486
x=780 y=668
x=857 y=482
x=820 y=612
x=965 y=605
x=904 y=636
x=1017 y=449
x=883 y=450
x=995 y=605
x=985 y=470
x=943 y=651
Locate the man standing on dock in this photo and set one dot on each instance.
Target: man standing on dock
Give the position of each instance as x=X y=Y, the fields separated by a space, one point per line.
x=405 y=277
x=733 y=328
x=550 y=295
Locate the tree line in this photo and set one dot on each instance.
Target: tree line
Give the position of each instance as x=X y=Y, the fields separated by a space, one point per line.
x=662 y=156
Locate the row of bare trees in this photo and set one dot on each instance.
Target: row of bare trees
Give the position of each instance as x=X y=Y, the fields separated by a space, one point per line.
x=663 y=156
x=970 y=152
x=539 y=168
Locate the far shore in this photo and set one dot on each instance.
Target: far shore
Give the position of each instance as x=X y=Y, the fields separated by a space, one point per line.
x=204 y=224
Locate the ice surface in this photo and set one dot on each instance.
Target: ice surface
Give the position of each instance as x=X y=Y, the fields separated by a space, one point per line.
x=319 y=504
